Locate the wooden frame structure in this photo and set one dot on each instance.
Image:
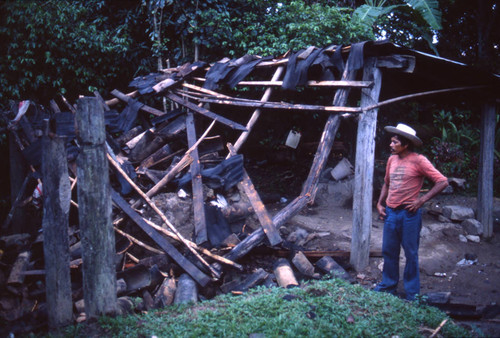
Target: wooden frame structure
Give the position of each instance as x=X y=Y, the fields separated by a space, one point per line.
x=423 y=74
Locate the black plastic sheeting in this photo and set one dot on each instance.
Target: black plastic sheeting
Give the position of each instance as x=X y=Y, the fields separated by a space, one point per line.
x=225 y=175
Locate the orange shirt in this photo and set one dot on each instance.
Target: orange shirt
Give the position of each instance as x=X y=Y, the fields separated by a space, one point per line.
x=404 y=178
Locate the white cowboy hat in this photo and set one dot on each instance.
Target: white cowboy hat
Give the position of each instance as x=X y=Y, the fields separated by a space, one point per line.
x=406 y=131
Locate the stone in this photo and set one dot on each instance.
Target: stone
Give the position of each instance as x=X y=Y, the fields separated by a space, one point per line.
x=472 y=227
x=473 y=238
x=443 y=219
x=434 y=208
x=462 y=238
x=425 y=232
x=457 y=212
x=337 y=193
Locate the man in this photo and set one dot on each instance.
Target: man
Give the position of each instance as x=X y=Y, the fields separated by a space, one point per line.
x=400 y=194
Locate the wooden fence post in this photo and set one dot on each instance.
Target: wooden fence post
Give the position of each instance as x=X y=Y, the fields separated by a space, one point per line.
x=486 y=158
x=94 y=200
x=363 y=179
x=56 y=203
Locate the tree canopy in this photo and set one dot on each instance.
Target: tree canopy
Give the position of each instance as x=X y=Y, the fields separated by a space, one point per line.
x=74 y=47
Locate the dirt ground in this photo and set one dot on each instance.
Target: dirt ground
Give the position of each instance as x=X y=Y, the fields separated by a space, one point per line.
x=440 y=251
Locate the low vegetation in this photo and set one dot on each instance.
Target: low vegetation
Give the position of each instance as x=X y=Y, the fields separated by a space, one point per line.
x=327 y=308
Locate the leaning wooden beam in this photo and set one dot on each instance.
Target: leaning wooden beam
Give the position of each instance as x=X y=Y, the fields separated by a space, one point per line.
x=20 y=195
x=138 y=242
x=411 y=96
x=200 y=224
x=204 y=112
x=256 y=237
x=256 y=114
x=328 y=136
x=260 y=209
x=185 y=161
x=112 y=102
x=183 y=262
x=161 y=214
x=306 y=196
x=147 y=109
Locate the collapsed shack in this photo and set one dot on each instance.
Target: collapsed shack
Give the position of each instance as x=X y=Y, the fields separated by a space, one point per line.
x=185 y=210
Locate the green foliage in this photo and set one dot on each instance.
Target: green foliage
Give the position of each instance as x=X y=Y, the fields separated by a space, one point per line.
x=55 y=46
x=318 y=309
x=294 y=25
x=455 y=151
x=415 y=20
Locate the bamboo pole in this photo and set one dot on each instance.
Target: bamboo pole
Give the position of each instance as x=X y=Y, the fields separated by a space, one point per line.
x=161 y=214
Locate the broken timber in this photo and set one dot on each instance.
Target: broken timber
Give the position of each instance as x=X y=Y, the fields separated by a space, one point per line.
x=189 y=267
x=200 y=225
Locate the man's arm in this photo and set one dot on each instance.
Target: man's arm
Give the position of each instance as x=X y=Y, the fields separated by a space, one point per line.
x=436 y=189
x=381 y=200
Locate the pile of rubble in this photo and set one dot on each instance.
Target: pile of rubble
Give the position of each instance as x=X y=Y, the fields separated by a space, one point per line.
x=176 y=196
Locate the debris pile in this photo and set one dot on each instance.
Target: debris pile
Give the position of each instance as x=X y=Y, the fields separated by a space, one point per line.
x=184 y=208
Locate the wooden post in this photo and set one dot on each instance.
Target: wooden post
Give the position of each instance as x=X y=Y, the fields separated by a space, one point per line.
x=55 y=223
x=200 y=224
x=485 y=189
x=363 y=179
x=18 y=169
x=98 y=239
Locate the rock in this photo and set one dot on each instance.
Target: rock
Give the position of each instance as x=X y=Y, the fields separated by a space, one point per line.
x=442 y=297
x=443 y=219
x=457 y=212
x=448 y=190
x=473 y=238
x=453 y=231
x=297 y=235
x=336 y=193
x=457 y=182
x=462 y=238
x=425 y=232
x=434 y=208
x=472 y=227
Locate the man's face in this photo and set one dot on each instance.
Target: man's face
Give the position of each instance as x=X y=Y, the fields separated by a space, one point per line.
x=396 y=146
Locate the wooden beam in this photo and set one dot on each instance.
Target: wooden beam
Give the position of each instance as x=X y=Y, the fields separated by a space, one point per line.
x=364 y=164
x=280 y=105
x=55 y=223
x=204 y=112
x=486 y=159
x=412 y=96
x=183 y=262
x=147 y=109
x=260 y=209
x=276 y=83
x=112 y=102
x=98 y=237
x=256 y=114
x=200 y=224
x=336 y=84
x=153 y=206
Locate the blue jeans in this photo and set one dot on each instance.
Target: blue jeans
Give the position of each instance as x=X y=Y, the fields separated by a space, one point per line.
x=401 y=228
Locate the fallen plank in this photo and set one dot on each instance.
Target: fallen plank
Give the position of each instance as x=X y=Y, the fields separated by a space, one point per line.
x=145 y=108
x=200 y=224
x=205 y=112
x=184 y=263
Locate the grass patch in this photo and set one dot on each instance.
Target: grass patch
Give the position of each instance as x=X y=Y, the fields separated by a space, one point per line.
x=328 y=308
